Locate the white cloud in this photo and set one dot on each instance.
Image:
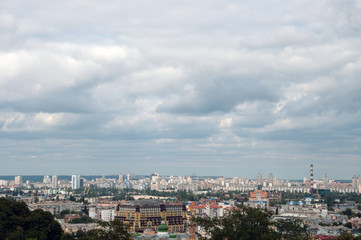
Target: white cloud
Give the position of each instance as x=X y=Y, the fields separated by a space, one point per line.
x=204 y=78
x=7 y=22
x=32 y=122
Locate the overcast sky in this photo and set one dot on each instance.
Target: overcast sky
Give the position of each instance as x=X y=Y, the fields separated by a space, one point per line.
x=206 y=87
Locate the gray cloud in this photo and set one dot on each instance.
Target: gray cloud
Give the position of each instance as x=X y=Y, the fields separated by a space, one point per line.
x=180 y=87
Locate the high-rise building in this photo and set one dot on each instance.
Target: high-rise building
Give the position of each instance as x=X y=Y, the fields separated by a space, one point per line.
x=325 y=180
x=46 y=180
x=311 y=179
x=154 y=184
x=81 y=183
x=354 y=182
x=129 y=177
x=259 y=181
x=75 y=181
x=18 y=180
x=120 y=178
x=270 y=179
x=54 y=181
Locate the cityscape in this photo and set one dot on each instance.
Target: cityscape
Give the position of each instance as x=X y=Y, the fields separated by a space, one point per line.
x=167 y=204
x=199 y=120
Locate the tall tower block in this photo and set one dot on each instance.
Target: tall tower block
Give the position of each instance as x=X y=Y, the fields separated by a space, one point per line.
x=311 y=179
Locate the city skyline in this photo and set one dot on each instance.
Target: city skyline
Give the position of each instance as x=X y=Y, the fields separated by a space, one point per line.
x=127 y=176
x=181 y=88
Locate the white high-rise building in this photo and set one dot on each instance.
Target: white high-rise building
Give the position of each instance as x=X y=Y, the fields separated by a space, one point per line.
x=129 y=177
x=154 y=185
x=18 y=180
x=75 y=181
x=46 y=180
x=54 y=181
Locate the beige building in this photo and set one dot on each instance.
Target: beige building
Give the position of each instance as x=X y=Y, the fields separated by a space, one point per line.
x=141 y=215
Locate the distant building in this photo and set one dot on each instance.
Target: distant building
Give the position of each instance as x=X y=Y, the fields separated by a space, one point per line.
x=4 y=182
x=259 y=197
x=270 y=180
x=259 y=181
x=106 y=214
x=46 y=180
x=54 y=181
x=154 y=184
x=81 y=182
x=325 y=180
x=121 y=178
x=129 y=177
x=141 y=215
x=18 y=180
x=75 y=181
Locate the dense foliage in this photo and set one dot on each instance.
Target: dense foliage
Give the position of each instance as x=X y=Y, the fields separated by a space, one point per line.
x=113 y=230
x=348 y=236
x=251 y=224
x=330 y=199
x=18 y=222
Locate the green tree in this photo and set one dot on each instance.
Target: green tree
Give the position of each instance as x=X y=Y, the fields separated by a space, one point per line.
x=291 y=229
x=241 y=224
x=348 y=212
x=17 y=222
x=348 y=225
x=348 y=236
x=67 y=236
x=248 y=223
x=113 y=230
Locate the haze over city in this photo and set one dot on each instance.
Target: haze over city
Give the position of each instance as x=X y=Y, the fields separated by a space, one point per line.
x=180 y=88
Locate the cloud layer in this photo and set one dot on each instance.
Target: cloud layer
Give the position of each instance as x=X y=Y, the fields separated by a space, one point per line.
x=180 y=87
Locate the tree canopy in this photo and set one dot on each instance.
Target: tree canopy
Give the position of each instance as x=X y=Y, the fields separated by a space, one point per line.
x=247 y=223
x=18 y=222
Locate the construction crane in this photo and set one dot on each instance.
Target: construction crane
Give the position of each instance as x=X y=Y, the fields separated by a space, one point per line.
x=192 y=225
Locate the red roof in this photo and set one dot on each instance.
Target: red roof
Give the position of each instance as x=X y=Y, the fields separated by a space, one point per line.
x=199 y=207
x=215 y=206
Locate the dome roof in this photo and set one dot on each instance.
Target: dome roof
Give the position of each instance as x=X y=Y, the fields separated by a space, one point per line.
x=163 y=227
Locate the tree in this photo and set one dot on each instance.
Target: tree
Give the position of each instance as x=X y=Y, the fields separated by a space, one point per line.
x=348 y=236
x=348 y=212
x=348 y=225
x=247 y=223
x=67 y=236
x=113 y=230
x=244 y=223
x=17 y=222
x=291 y=229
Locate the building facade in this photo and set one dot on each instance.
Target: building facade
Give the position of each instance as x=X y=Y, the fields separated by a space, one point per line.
x=142 y=216
x=18 y=180
x=258 y=198
x=75 y=181
x=54 y=181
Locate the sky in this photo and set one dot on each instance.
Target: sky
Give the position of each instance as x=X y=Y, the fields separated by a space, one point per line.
x=228 y=88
